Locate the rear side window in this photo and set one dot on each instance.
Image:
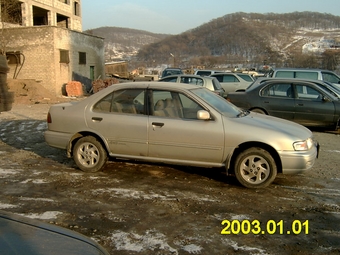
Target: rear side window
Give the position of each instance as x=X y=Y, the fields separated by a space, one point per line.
x=278 y=90
x=297 y=74
x=306 y=75
x=285 y=74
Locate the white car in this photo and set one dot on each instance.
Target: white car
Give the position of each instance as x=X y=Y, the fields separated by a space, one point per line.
x=231 y=82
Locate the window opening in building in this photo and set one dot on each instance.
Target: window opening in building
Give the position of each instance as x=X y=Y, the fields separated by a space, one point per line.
x=82 y=58
x=62 y=21
x=11 y=12
x=76 y=9
x=64 y=56
x=92 y=73
x=13 y=57
x=65 y=1
x=40 y=16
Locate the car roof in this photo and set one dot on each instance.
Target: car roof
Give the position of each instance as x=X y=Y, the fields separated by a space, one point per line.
x=187 y=75
x=153 y=85
x=301 y=69
x=44 y=238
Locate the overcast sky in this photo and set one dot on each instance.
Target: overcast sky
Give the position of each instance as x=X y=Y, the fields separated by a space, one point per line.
x=177 y=16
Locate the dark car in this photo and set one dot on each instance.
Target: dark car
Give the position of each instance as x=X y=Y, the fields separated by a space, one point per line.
x=300 y=101
x=171 y=71
x=21 y=235
x=210 y=83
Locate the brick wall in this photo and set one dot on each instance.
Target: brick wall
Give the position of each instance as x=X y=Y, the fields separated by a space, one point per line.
x=40 y=60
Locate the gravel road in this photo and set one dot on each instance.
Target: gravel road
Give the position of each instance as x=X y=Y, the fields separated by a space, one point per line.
x=139 y=208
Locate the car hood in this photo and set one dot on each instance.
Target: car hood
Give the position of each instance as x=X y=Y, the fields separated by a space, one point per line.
x=278 y=132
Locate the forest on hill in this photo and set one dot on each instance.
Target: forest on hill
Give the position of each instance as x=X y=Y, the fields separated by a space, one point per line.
x=247 y=39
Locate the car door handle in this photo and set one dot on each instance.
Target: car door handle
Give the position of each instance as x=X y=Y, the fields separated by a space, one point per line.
x=158 y=124
x=300 y=104
x=97 y=119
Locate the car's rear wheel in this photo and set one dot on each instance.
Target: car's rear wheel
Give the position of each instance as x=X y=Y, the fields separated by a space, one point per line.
x=257 y=110
x=89 y=154
x=255 y=168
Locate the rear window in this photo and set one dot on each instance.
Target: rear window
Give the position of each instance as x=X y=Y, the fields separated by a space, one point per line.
x=203 y=73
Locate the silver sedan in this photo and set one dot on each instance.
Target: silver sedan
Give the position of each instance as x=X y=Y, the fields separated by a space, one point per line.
x=179 y=124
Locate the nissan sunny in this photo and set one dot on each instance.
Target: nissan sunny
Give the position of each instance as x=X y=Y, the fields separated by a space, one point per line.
x=182 y=124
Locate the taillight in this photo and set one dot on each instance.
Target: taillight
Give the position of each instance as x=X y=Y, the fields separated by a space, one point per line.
x=49 y=118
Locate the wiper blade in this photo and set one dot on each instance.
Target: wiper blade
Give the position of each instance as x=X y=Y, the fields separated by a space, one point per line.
x=243 y=113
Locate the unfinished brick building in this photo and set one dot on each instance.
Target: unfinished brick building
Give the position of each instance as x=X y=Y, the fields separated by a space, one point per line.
x=43 y=40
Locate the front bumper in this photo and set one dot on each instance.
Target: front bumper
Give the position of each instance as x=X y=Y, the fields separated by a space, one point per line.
x=294 y=162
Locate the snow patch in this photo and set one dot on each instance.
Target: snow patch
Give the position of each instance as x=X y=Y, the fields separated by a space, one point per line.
x=150 y=241
x=6 y=206
x=43 y=216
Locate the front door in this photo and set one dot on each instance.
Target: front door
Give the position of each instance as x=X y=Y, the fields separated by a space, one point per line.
x=176 y=133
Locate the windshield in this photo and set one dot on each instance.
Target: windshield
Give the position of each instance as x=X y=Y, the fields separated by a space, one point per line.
x=219 y=103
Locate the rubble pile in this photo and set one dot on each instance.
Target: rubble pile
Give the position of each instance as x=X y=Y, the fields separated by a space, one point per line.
x=98 y=85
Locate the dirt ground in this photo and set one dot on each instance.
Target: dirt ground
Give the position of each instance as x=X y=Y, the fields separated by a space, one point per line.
x=140 y=208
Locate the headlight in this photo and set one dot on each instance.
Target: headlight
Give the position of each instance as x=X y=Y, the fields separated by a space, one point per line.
x=303 y=145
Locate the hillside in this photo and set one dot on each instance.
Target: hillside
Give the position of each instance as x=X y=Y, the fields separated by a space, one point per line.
x=123 y=43
x=247 y=39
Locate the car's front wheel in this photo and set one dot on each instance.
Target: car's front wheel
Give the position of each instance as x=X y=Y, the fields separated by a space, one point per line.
x=257 y=110
x=89 y=154
x=255 y=168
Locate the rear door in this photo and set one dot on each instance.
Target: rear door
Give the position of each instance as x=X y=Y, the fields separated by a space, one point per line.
x=121 y=120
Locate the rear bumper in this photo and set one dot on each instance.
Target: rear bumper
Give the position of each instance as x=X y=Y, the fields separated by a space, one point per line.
x=57 y=139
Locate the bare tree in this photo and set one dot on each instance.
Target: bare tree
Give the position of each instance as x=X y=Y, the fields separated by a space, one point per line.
x=10 y=16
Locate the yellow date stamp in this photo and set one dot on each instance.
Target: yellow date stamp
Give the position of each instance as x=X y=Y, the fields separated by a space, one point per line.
x=271 y=227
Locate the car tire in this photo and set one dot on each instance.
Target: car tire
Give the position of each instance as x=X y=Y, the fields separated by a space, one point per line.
x=257 y=110
x=89 y=154
x=255 y=168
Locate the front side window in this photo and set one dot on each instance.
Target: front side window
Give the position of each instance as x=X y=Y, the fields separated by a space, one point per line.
x=330 y=77
x=174 y=105
x=219 y=103
x=230 y=78
x=128 y=101
x=308 y=93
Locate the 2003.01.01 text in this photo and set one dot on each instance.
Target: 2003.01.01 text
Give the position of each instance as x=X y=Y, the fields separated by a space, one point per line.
x=272 y=227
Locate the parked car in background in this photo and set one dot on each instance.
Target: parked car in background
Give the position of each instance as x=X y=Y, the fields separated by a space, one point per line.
x=171 y=71
x=231 y=82
x=21 y=235
x=296 y=100
x=210 y=83
x=181 y=124
x=302 y=73
x=329 y=87
x=206 y=72
x=246 y=77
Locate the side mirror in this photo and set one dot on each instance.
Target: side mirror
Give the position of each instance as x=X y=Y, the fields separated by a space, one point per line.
x=203 y=115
